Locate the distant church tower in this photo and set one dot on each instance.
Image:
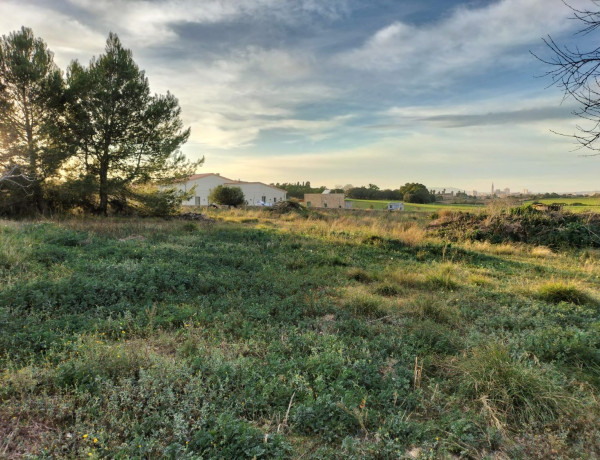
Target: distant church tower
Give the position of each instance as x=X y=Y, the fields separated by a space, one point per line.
x=492 y=189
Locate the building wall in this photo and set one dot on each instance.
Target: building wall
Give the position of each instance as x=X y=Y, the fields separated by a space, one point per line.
x=204 y=186
x=327 y=200
x=256 y=192
x=395 y=206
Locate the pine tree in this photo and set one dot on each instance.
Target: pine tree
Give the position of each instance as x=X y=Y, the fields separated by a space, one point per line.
x=123 y=135
x=31 y=88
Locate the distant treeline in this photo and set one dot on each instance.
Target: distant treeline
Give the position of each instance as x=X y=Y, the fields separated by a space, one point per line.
x=409 y=192
x=545 y=196
x=298 y=189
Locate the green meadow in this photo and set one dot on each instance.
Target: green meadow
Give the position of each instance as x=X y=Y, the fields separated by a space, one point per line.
x=414 y=207
x=574 y=204
x=313 y=335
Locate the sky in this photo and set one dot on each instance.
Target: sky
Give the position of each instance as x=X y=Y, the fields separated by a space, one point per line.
x=337 y=92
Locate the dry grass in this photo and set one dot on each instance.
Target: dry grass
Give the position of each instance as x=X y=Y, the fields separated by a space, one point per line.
x=503 y=249
x=541 y=252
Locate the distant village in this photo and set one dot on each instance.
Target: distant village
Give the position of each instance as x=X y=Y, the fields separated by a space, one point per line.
x=262 y=194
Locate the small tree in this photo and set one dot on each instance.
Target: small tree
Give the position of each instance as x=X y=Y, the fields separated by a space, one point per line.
x=230 y=196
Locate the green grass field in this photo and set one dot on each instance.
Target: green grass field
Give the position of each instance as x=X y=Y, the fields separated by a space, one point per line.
x=412 y=207
x=341 y=335
x=575 y=204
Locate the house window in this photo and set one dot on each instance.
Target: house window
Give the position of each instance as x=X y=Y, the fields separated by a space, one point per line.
x=324 y=205
x=264 y=199
x=197 y=201
x=308 y=204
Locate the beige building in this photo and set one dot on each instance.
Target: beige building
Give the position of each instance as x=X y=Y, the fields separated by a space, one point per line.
x=255 y=193
x=325 y=200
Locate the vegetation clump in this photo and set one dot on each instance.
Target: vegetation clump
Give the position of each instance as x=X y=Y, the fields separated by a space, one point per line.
x=556 y=292
x=508 y=391
x=227 y=196
x=94 y=141
x=555 y=229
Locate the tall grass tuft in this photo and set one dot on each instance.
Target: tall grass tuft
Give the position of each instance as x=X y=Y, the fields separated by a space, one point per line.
x=443 y=277
x=509 y=392
x=556 y=291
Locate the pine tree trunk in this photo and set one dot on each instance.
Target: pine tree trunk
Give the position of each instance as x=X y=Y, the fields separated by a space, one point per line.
x=103 y=192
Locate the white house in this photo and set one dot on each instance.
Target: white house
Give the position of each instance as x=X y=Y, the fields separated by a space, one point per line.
x=204 y=184
x=259 y=194
x=395 y=207
x=255 y=193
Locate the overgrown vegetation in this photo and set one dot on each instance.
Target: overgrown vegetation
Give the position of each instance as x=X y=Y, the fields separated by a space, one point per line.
x=291 y=334
x=555 y=229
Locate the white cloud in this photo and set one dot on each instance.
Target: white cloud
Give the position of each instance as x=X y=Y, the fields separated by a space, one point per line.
x=66 y=36
x=468 y=41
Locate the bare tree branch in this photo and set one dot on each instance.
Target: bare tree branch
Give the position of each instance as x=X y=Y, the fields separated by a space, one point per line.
x=15 y=177
x=577 y=74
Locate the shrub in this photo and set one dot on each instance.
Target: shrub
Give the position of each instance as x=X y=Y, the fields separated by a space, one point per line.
x=555 y=229
x=229 y=196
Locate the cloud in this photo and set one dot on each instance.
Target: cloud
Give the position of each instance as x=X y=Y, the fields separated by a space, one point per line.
x=471 y=159
x=468 y=41
x=152 y=22
x=404 y=117
x=229 y=100
x=499 y=118
x=68 y=37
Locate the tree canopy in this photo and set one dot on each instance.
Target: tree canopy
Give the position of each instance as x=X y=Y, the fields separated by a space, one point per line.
x=230 y=196
x=99 y=134
x=123 y=134
x=31 y=87
x=416 y=193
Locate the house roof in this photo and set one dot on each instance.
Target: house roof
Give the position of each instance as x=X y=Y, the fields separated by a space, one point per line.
x=229 y=181
x=201 y=176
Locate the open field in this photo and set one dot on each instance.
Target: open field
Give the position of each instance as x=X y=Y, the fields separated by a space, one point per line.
x=575 y=204
x=412 y=207
x=338 y=335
